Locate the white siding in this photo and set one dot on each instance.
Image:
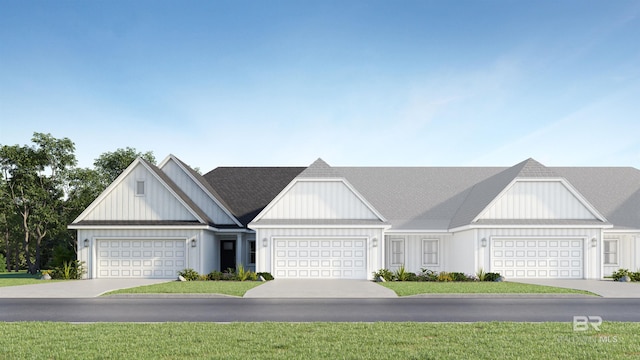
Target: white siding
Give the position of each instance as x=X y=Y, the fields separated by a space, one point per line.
x=264 y=255
x=463 y=253
x=591 y=253
x=123 y=204
x=320 y=200
x=413 y=251
x=195 y=193
x=194 y=260
x=628 y=252
x=538 y=200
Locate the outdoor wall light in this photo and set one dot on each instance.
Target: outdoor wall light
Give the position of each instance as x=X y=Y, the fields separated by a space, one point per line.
x=594 y=242
x=86 y=242
x=483 y=242
x=265 y=242
x=193 y=242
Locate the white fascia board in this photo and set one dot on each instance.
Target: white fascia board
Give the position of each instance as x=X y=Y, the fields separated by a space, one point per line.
x=157 y=227
x=139 y=227
x=561 y=180
x=166 y=186
x=418 y=232
x=346 y=226
x=108 y=190
x=202 y=187
x=536 y=226
x=623 y=231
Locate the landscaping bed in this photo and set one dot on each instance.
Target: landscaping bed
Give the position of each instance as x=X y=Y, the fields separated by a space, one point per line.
x=19 y=278
x=36 y=340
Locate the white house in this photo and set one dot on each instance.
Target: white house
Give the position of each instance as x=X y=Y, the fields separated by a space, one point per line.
x=525 y=221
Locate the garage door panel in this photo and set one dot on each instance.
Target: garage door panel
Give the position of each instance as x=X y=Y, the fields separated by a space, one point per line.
x=537 y=258
x=331 y=258
x=152 y=259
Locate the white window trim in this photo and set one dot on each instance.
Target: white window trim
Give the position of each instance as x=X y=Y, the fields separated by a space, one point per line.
x=437 y=241
x=617 y=252
x=391 y=242
x=144 y=187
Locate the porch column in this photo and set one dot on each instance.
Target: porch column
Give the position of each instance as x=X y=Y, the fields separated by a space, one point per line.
x=239 y=250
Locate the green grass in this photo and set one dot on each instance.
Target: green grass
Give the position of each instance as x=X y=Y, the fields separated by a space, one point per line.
x=236 y=288
x=19 y=278
x=406 y=288
x=36 y=340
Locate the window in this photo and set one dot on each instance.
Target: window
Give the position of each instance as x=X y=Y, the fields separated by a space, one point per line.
x=252 y=252
x=397 y=252
x=429 y=252
x=140 y=188
x=610 y=252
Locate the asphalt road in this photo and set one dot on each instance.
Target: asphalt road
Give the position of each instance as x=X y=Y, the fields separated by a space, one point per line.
x=305 y=310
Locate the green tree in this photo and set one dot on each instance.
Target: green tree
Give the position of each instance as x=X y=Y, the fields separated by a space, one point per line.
x=33 y=187
x=110 y=165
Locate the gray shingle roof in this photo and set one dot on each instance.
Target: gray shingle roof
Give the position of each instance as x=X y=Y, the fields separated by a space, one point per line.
x=436 y=198
x=248 y=190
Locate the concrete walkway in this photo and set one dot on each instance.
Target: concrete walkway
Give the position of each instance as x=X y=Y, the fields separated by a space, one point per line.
x=74 y=288
x=604 y=288
x=320 y=288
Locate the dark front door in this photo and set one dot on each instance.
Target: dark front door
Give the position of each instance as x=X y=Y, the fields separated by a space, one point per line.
x=227 y=254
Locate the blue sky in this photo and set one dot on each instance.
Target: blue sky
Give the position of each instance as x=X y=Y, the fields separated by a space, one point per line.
x=358 y=83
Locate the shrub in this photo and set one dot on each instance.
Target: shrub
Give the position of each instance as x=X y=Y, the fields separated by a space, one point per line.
x=491 y=276
x=481 y=274
x=444 y=277
x=3 y=263
x=69 y=270
x=229 y=276
x=266 y=275
x=189 y=274
x=458 y=276
x=203 y=277
x=215 y=275
x=243 y=274
x=60 y=255
x=386 y=274
x=620 y=273
x=427 y=275
x=401 y=274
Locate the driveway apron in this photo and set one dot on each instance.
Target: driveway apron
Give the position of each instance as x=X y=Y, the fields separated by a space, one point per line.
x=320 y=288
x=73 y=288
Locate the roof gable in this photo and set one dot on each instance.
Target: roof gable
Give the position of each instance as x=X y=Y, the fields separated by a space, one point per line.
x=197 y=189
x=539 y=199
x=162 y=201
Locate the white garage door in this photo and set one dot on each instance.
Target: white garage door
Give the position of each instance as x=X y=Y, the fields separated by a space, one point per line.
x=140 y=258
x=320 y=258
x=537 y=258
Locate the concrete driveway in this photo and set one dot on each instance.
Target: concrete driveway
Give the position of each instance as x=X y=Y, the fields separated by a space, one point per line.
x=74 y=289
x=604 y=288
x=320 y=288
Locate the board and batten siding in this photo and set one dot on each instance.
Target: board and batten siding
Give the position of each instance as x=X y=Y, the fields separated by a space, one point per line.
x=413 y=251
x=319 y=200
x=157 y=203
x=463 y=253
x=538 y=200
x=88 y=254
x=628 y=253
x=264 y=254
x=592 y=258
x=195 y=193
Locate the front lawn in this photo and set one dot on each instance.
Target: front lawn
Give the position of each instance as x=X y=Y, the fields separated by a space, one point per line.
x=493 y=340
x=19 y=278
x=236 y=288
x=406 y=288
